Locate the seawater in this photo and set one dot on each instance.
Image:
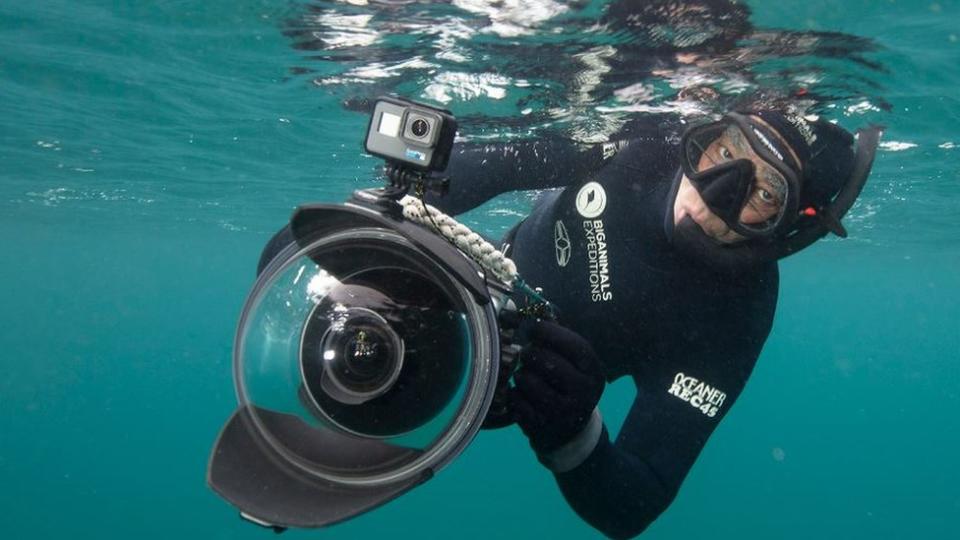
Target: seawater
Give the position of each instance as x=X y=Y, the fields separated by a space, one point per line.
x=149 y=149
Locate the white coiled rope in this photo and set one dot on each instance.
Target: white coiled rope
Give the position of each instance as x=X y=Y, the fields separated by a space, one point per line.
x=469 y=242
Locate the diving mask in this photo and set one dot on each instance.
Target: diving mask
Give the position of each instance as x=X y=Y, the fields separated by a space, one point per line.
x=744 y=173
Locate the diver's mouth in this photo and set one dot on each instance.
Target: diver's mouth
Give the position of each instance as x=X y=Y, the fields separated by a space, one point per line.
x=689 y=203
x=699 y=213
x=709 y=223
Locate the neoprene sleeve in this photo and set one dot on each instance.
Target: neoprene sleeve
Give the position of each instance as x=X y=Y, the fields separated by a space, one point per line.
x=481 y=171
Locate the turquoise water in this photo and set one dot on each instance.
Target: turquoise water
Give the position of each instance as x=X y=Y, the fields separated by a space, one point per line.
x=147 y=151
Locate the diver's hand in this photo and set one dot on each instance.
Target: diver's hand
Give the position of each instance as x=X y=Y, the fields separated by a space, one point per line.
x=558 y=385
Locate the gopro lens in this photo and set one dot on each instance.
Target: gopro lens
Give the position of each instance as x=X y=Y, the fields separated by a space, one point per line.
x=420 y=127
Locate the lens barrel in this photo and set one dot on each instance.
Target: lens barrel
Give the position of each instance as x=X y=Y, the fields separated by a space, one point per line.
x=362 y=355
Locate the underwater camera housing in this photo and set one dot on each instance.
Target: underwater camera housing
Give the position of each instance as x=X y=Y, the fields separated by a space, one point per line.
x=368 y=353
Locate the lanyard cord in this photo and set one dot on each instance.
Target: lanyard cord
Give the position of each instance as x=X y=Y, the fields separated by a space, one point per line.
x=474 y=246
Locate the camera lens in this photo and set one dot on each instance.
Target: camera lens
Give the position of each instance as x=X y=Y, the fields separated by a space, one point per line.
x=420 y=127
x=384 y=351
x=362 y=355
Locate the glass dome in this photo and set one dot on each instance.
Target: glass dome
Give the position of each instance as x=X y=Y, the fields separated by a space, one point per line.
x=361 y=361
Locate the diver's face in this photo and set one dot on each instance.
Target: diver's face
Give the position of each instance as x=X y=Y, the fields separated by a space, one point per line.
x=769 y=189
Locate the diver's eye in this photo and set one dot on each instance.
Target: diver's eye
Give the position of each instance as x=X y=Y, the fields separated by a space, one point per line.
x=766 y=196
x=725 y=154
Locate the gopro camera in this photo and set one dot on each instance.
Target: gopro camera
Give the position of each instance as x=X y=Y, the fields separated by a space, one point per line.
x=411 y=134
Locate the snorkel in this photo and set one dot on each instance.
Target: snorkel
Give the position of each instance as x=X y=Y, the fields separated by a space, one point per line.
x=814 y=223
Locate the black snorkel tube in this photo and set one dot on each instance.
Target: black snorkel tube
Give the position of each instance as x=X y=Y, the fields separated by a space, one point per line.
x=827 y=218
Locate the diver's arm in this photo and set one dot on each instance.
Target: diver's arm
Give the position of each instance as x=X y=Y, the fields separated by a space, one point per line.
x=621 y=487
x=479 y=172
x=615 y=489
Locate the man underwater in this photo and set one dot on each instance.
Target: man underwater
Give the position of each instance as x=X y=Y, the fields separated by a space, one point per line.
x=660 y=253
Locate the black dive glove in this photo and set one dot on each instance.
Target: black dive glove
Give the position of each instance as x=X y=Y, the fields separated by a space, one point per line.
x=558 y=385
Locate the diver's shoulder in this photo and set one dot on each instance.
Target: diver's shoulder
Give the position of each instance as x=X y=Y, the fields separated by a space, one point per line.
x=647 y=142
x=662 y=128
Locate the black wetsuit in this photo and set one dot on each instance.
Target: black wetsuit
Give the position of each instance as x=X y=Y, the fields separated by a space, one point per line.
x=688 y=336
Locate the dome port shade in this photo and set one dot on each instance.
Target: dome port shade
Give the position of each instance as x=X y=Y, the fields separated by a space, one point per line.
x=246 y=471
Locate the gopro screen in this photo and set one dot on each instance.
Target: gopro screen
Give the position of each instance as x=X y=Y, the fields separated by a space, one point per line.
x=389 y=124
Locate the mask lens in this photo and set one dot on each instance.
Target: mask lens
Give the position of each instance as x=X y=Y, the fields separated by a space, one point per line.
x=696 y=142
x=749 y=198
x=765 y=205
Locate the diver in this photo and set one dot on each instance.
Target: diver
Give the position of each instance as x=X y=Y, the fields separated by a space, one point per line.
x=660 y=251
